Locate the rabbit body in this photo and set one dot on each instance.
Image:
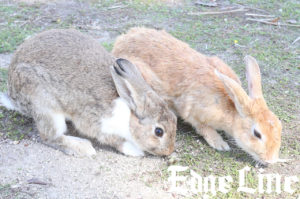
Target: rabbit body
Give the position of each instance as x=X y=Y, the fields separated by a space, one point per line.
x=61 y=75
x=204 y=91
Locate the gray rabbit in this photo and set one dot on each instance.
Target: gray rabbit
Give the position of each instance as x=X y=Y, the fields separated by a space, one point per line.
x=61 y=75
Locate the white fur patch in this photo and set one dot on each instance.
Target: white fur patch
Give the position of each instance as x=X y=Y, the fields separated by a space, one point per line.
x=6 y=102
x=131 y=150
x=59 y=123
x=118 y=123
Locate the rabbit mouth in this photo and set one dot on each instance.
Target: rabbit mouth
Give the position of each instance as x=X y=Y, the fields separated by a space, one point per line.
x=163 y=153
x=261 y=161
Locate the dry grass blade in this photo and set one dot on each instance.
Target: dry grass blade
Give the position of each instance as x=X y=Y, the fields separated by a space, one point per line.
x=259 y=15
x=276 y=23
x=117 y=7
x=298 y=38
x=219 y=12
x=208 y=4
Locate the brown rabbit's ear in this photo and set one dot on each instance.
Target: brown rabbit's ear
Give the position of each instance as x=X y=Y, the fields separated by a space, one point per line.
x=253 y=77
x=130 y=85
x=236 y=93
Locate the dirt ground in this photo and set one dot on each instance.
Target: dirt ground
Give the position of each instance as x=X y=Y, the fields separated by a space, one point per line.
x=30 y=169
x=109 y=175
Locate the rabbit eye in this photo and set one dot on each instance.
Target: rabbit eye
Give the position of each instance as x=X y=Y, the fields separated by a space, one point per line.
x=257 y=134
x=159 y=132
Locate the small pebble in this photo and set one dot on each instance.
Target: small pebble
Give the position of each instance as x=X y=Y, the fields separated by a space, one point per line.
x=16 y=142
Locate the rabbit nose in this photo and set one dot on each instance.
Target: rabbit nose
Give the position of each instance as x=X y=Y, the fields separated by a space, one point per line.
x=170 y=150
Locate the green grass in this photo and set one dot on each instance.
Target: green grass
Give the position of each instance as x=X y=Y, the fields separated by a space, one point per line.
x=12 y=123
x=284 y=9
x=18 y=23
x=11 y=37
x=108 y=45
x=4 y=189
x=14 y=29
x=8 y=191
x=3 y=79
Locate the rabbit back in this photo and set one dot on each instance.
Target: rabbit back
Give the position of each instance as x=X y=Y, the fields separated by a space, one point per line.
x=171 y=59
x=69 y=65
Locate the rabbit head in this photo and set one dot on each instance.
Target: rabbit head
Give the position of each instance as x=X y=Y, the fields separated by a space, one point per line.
x=152 y=124
x=256 y=130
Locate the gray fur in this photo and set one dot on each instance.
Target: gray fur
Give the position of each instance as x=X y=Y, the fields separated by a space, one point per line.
x=68 y=73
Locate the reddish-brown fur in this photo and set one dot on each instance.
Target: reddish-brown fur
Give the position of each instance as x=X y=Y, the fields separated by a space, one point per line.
x=207 y=99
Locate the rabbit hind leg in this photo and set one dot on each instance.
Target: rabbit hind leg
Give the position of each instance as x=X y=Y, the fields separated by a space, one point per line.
x=52 y=127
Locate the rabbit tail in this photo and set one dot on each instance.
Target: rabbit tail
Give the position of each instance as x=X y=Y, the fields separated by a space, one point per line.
x=7 y=102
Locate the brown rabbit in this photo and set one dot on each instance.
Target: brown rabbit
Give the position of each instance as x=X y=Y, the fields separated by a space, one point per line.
x=205 y=92
x=63 y=75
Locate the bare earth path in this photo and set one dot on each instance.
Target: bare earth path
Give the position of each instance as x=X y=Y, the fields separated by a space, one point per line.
x=109 y=175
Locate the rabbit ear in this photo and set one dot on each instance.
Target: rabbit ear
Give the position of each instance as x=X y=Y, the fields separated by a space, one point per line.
x=130 y=85
x=253 y=77
x=236 y=93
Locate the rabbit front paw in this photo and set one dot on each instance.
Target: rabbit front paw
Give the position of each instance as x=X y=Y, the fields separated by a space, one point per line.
x=219 y=144
x=214 y=139
x=77 y=146
x=131 y=150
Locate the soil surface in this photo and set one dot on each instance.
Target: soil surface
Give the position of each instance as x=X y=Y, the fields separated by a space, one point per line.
x=56 y=175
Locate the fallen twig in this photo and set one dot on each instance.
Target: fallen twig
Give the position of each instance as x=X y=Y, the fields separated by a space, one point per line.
x=259 y=15
x=298 y=38
x=36 y=181
x=272 y=23
x=92 y=27
x=238 y=45
x=210 y=4
x=117 y=6
x=219 y=12
x=258 y=9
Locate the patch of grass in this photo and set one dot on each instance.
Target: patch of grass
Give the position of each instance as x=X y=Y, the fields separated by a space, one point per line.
x=146 y=5
x=8 y=191
x=14 y=126
x=4 y=189
x=281 y=8
x=11 y=37
x=14 y=29
x=18 y=22
x=108 y=46
x=103 y=4
x=3 y=80
x=15 y=135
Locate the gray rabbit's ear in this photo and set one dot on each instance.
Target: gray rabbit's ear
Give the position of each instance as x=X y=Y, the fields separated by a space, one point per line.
x=130 y=85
